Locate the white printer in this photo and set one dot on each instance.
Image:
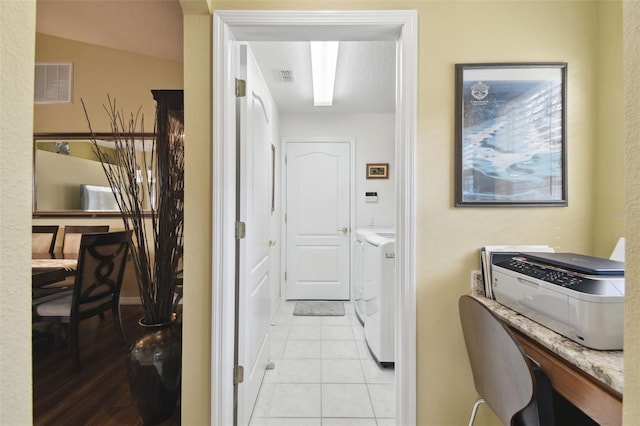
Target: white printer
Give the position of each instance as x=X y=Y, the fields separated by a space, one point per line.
x=580 y=297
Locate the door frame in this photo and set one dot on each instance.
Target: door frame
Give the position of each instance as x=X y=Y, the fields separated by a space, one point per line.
x=352 y=191
x=229 y=26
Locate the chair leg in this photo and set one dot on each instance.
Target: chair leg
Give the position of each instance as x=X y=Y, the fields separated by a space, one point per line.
x=74 y=340
x=117 y=322
x=475 y=411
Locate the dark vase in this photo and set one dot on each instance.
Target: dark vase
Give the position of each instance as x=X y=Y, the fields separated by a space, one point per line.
x=154 y=368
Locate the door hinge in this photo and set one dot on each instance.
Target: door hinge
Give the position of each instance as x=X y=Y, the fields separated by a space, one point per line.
x=285 y=218
x=241 y=88
x=238 y=374
x=285 y=160
x=285 y=275
x=241 y=230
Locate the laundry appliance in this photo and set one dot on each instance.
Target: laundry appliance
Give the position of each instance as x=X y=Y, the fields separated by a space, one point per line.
x=374 y=290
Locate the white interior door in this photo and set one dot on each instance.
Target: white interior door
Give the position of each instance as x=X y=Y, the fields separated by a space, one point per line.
x=253 y=207
x=318 y=220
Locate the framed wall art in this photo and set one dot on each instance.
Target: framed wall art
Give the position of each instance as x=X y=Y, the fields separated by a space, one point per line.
x=377 y=170
x=510 y=134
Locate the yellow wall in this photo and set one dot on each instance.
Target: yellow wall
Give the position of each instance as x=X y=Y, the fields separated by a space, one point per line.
x=17 y=35
x=97 y=72
x=609 y=204
x=196 y=337
x=449 y=238
x=631 y=407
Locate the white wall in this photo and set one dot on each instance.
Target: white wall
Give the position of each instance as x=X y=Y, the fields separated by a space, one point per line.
x=375 y=143
x=276 y=276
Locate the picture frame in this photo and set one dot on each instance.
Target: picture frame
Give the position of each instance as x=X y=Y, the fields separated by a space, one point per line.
x=510 y=134
x=377 y=170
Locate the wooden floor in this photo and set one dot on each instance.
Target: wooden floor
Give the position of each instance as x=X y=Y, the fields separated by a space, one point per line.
x=99 y=393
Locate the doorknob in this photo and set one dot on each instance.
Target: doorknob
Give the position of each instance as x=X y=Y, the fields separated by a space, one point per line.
x=344 y=230
x=272 y=243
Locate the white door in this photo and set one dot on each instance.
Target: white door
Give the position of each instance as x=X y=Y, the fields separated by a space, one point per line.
x=253 y=208
x=318 y=220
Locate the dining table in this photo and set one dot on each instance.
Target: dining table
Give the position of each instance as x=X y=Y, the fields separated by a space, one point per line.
x=51 y=273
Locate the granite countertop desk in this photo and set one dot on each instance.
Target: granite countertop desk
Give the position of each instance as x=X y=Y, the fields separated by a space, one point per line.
x=591 y=379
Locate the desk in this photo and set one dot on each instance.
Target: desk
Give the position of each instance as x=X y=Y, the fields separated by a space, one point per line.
x=591 y=380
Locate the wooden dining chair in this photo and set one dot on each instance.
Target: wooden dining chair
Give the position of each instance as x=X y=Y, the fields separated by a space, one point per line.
x=101 y=264
x=43 y=238
x=73 y=234
x=515 y=390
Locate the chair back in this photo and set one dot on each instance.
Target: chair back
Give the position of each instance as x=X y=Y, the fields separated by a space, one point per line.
x=501 y=372
x=73 y=234
x=101 y=262
x=43 y=238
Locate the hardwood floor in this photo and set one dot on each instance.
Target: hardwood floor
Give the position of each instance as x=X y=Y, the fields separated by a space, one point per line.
x=99 y=393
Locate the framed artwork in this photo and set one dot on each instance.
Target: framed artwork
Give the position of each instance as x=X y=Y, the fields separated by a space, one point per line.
x=510 y=134
x=377 y=170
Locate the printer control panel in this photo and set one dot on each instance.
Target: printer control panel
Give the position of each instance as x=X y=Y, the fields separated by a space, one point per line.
x=543 y=272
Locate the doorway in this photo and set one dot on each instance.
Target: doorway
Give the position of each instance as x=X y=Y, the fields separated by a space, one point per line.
x=233 y=26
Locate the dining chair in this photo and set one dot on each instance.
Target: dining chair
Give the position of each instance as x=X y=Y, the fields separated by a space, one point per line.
x=43 y=238
x=179 y=290
x=73 y=234
x=101 y=264
x=517 y=391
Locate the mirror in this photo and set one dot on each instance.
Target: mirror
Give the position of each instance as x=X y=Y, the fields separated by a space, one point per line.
x=68 y=178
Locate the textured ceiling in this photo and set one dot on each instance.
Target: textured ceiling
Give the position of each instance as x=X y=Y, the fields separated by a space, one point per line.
x=365 y=81
x=365 y=76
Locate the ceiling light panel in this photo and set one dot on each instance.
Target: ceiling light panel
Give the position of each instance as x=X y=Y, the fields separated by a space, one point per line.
x=324 y=58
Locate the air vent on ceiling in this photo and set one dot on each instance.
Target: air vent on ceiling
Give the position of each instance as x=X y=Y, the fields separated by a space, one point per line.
x=286 y=76
x=52 y=83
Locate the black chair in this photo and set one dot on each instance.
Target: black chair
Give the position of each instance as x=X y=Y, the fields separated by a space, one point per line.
x=101 y=264
x=516 y=390
x=73 y=234
x=43 y=238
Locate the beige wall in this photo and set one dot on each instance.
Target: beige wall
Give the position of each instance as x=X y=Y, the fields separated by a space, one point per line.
x=631 y=406
x=97 y=72
x=197 y=319
x=449 y=238
x=608 y=210
x=17 y=35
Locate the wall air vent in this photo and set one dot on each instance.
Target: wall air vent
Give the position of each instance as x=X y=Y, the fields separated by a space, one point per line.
x=286 y=76
x=53 y=81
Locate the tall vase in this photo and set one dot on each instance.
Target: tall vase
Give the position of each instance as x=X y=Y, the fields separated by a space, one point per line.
x=154 y=370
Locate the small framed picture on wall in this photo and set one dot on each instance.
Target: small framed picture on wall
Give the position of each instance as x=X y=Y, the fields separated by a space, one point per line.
x=377 y=170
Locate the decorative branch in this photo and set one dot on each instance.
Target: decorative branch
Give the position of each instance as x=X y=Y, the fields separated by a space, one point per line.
x=157 y=241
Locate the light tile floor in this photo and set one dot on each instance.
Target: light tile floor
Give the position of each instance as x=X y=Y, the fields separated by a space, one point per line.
x=324 y=375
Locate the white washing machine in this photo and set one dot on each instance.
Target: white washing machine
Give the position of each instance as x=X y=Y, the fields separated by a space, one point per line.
x=374 y=290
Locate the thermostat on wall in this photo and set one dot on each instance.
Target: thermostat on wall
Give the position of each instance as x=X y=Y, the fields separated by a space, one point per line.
x=371 y=197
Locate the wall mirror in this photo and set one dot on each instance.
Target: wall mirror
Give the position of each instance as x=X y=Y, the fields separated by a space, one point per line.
x=68 y=179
